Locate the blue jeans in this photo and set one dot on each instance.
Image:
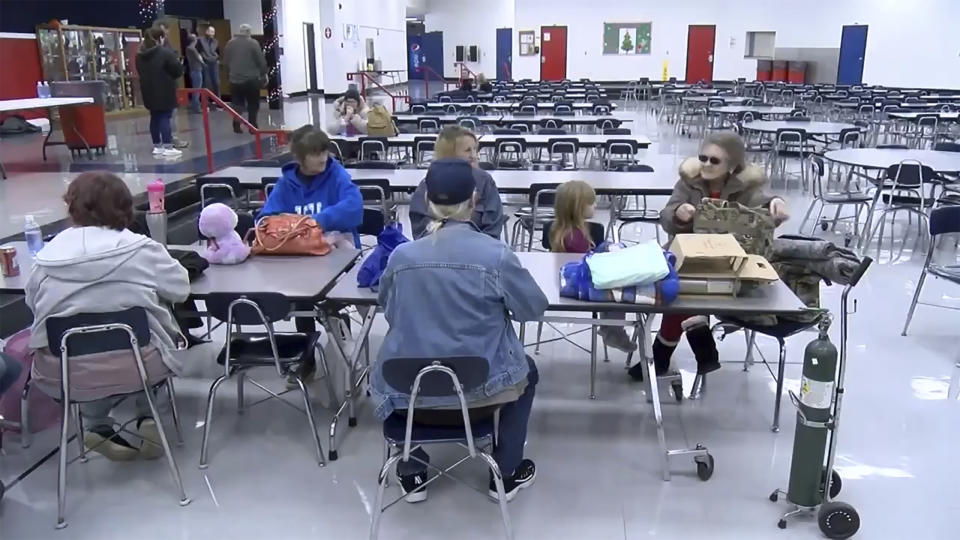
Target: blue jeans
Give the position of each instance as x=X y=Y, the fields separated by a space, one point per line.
x=9 y=372
x=160 y=127
x=211 y=77
x=512 y=437
x=196 y=78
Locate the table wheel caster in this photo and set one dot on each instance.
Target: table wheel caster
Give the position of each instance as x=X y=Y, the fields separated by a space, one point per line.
x=704 y=467
x=775 y=496
x=677 y=388
x=332 y=455
x=352 y=421
x=782 y=524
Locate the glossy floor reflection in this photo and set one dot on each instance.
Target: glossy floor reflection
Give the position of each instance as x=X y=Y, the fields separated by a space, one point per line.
x=598 y=468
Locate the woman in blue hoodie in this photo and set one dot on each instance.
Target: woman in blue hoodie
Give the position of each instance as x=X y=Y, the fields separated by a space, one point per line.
x=316 y=185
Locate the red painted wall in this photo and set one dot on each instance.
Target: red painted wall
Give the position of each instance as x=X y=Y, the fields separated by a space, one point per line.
x=20 y=64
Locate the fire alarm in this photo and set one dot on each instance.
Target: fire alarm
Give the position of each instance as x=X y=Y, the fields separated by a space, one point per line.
x=327 y=32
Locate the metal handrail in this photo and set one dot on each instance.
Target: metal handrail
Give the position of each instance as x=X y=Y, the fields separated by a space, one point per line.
x=463 y=67
x=365 y=76
x=427 y=70
x=183 y=97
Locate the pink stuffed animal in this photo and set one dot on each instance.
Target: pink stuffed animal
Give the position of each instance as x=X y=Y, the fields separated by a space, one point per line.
x=217 y=222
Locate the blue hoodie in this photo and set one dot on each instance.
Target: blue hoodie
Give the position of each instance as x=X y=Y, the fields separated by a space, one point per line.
x=330 y=197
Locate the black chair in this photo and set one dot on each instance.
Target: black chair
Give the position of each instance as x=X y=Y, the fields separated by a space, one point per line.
x=790 y=143
x=268 y=183
x=619 y=152
x=418 y=108
x=437 y=377
x=245 y=222
x=510 y=153
x=479 y=110
x=222 y=189
x=377 y=205
x=564 y=152
x=641 y=212
x=944 y=220
x=902 y=189
x=616 y=131
x=470 y=122
x=507 y=131
x=292 y=354
x=422 y=146
x=488 y=166
x=98 y=333
x=373 y=148
x=551 y=123
x=428 y=124
x=857 y=199
x=601 y=108
x=529 y=219
x=552 y=131
x=369 y=164
x=336 y=148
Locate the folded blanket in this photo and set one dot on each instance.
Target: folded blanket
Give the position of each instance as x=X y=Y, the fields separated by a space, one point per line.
x=831 y=263
x=619 y=266
x=576 y=282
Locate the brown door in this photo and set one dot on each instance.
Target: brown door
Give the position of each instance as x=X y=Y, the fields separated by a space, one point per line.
x=553 y=53
x=700 y=43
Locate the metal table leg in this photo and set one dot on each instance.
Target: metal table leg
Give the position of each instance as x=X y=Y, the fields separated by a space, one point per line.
x=354 y=377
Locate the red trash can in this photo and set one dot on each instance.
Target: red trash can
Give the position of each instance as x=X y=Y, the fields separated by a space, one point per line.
x=764 y=70
x=797 y=72
x=779 y=71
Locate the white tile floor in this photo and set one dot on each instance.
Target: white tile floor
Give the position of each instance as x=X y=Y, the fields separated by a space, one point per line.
x=598 y=470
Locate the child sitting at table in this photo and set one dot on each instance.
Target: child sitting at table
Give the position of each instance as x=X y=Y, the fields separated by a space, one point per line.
x=318 y=186
x=575 y=203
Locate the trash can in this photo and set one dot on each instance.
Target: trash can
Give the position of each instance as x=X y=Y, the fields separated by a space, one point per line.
x=779 y=71
x=84 y=126
x=797 y=72
x=764 y=70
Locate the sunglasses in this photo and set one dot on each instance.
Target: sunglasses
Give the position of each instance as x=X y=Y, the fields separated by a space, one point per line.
x=712 y=159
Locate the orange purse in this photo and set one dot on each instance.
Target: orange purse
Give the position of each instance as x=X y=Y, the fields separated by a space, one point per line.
x=288 y=234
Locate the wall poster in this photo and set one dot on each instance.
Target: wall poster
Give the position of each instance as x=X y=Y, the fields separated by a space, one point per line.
x=626 y=38
x=528 y=43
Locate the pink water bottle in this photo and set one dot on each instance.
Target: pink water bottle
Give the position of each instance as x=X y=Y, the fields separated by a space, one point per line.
x=155 y=191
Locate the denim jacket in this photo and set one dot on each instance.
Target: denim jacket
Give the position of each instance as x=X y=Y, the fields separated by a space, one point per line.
x=454 y=293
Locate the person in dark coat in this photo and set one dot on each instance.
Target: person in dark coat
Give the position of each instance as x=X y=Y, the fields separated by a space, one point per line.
x=159 y=70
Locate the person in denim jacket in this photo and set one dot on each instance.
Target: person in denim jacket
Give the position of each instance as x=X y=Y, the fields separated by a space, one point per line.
x=455 y=292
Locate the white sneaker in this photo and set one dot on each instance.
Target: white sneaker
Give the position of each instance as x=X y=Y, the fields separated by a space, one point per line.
x=171 y=153
x=157 y=150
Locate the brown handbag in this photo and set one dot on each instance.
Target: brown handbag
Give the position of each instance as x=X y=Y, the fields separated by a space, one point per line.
x=288 y=234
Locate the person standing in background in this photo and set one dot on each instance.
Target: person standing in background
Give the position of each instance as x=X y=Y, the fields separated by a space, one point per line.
x=165 y=29
x=247 y=70
x=159 y=71
x=210 y=51
x=195 y=66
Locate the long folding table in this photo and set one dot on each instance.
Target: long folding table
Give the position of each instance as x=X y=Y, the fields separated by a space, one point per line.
x=51 y=103
x=512 y=105
x=504 y=118
x=774 y=298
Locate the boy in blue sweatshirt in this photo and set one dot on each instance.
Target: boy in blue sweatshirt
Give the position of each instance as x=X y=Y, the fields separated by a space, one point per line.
x=317 y=185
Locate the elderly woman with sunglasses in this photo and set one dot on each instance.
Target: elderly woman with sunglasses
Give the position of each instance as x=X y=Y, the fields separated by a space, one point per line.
x=719 y=172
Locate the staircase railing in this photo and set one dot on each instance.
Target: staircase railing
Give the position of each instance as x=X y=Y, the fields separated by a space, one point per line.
x=427 y=71
x=365 y=76
x=464 y=70
x=183 y=98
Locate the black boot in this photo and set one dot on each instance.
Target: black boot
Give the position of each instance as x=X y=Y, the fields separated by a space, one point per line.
x=236 y=126
x=704 y=348
x=661 y=360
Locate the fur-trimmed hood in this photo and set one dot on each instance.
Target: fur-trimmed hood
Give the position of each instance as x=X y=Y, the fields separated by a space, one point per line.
x=751 y=176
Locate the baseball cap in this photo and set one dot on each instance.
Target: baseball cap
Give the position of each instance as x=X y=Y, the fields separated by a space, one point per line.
x=450 y=181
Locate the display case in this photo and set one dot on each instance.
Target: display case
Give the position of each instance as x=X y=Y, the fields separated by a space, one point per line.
x=86 y=53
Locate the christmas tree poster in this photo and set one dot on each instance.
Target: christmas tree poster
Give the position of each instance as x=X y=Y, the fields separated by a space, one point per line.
x=626 y=38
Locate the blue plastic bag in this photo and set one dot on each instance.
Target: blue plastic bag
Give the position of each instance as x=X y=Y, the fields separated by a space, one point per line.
x=576 y=282
x=373 y=266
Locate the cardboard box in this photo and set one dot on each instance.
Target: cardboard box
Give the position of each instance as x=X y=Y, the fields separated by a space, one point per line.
x=717 y=264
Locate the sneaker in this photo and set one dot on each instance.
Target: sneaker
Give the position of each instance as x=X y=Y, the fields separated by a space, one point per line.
x=409 y=484
x=106 y=442
x=171 y=153
x=157 y=150
x=616 y=337
x=522 y=478
x=148 y=430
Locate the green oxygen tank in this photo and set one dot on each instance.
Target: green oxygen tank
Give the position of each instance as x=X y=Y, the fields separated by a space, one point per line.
x=816 y=399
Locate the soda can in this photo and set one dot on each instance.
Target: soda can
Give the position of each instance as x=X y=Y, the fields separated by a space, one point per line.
x=8 y=261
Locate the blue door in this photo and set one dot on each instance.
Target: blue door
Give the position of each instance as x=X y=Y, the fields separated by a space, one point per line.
x=504 y=54
x=853 y=48
x=432 y=48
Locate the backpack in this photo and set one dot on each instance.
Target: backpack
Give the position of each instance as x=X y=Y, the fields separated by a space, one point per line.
x=379 y=122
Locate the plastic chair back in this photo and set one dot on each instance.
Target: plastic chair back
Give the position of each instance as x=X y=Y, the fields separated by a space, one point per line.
x=401 y=374
x=98 y=342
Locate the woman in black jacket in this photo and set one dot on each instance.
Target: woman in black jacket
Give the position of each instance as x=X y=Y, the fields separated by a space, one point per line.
x=159 y=70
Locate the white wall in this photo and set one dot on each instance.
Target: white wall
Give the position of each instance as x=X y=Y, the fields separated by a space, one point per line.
x=382 y=20
x=908 y=44
x=243 y=12
x=293 y=68
x=468 y=22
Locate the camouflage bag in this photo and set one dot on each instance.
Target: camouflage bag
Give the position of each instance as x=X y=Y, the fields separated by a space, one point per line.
x=752 y=227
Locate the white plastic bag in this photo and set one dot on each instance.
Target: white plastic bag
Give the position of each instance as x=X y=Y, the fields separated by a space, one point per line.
x=641 y=264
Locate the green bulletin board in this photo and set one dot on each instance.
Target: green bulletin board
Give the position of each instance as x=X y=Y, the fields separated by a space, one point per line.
x=626 y=38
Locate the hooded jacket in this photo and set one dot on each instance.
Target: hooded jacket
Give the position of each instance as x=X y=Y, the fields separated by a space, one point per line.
x=745 y=187
x=159 y=70
x=97 y=270
x=487 y=215
x=358 y=121
x=331 y=198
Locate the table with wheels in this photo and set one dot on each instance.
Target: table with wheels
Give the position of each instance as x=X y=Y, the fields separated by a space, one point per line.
x=876 y=159
x=51 y=103
x=774 y=298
